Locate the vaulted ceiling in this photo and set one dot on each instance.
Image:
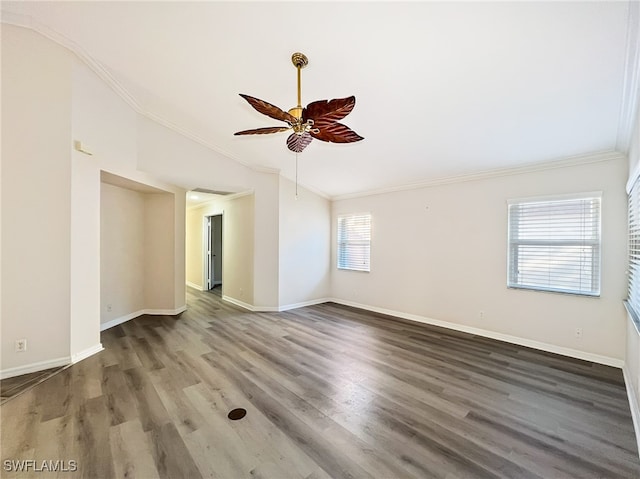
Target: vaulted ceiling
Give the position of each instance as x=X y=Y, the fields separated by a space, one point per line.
x=442 y=89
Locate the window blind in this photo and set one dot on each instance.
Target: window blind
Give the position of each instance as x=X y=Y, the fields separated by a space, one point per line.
x=554 y=245
x=354 y=242
x=633 y=298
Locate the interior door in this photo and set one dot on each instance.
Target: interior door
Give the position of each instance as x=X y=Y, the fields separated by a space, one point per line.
x=210 y=265
x=216 y=249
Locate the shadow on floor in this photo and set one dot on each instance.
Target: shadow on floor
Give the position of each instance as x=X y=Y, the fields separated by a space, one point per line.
x=11 y=387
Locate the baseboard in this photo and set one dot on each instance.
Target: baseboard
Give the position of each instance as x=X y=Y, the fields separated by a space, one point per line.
x=216 y=283
x=77 y=357
x=551 y=348
x=195 y=286
x=311 y=302
x=153 y=312
x=237 y=302
x=273 y=309
x=122 y=319
x=166 y=312
x=34 y=367
x=634 y=405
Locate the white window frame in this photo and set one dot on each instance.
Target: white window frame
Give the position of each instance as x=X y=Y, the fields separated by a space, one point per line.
x=515 y=244
x=344 y=243
x=632 y=302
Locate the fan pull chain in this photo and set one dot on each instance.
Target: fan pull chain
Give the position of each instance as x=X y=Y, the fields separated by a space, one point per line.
x=296 y=175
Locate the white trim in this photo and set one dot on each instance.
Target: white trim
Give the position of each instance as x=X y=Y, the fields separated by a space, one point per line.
x=77 y=357
x=630 y=96
x=122 y=319
x=194 y=286
x=34 y=367
x=552 y=348
x=165 y=312
x=237 y=302
x=153 y=312
x=634 y=405
x=311 y=302
x=495 y=173
x=274 y=309
x=27 y=21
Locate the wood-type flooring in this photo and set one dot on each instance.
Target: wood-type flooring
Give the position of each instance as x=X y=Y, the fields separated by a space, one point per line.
x=330 y=391
x=11 y=387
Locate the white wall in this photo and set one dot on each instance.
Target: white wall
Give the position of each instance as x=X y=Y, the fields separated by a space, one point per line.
x=122 y=255
x=238 y=233
x=266 y=241
x=440 y=253
x=238 y=256
x=36 y=198
x=305 y=248
x=194 y=259
x=50 y=99
x=160 y=150
x=159 y=250
x=107 y=126
x=137 y=251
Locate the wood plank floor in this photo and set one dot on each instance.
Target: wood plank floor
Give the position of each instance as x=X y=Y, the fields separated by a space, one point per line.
x=329 y=391
x=11 y=387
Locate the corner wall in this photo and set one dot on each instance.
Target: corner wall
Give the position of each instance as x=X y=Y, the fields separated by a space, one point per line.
x=50 y=99
x=439 y=255
x=36 y=201
x=122 y=253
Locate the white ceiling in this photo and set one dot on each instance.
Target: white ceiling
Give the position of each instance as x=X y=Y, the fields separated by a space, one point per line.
x=442 y=89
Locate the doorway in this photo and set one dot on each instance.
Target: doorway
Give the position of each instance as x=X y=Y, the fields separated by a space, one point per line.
x=213 y=253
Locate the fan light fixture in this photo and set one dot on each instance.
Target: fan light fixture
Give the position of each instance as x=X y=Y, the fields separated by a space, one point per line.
x=318 y=120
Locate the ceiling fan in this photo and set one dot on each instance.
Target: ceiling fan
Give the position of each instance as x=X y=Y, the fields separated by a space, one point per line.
x=318 y=119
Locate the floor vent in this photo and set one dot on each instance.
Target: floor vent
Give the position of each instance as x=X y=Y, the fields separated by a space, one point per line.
x=237 y=413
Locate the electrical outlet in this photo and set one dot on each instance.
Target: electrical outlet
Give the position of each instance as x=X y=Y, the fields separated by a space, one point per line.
x=481 y=315
x=21 y=345
x=578 y=333
x=109 y=308
x=241 y=292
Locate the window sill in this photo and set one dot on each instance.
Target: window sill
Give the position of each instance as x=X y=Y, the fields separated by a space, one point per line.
x=553 y=291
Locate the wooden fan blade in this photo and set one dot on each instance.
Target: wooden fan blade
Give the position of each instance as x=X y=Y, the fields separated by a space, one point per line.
x=268 y=109
x=329 y=110
x=297 y=142
x=335 y=133
x=263 y=131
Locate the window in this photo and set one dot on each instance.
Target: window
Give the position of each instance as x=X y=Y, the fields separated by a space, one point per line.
x=554 y=244
x=633 y=299
x=354 y=242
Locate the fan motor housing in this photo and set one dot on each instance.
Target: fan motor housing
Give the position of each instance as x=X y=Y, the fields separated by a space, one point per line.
x=296 y=111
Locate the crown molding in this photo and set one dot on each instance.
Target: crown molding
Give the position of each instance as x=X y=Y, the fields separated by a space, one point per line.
x=626 y=121
x=27 y=21
x=631 y=87
x=495 y=173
